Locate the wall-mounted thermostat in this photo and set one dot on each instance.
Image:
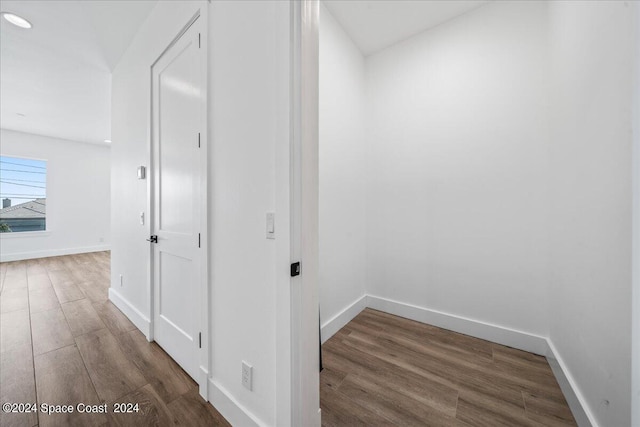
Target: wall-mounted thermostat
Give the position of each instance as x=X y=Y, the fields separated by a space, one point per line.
x=142 y=172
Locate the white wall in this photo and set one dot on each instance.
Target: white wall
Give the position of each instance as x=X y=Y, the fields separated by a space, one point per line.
x=78 y=197
x=248 y=117
x=592 y=59
x=248 y=49
x=342 y=170
x=457 y=168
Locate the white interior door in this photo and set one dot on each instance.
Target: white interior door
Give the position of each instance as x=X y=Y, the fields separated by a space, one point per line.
x=177 y=91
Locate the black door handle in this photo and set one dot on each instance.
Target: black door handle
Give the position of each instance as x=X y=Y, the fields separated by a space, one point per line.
x=153 y=239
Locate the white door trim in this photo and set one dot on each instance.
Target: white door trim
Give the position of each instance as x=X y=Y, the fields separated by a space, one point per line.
x=305 y=339
x=635 y=226
x=203 y=297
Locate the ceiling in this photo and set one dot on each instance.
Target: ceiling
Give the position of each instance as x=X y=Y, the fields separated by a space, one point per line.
x=55 y=79
x=376 y=24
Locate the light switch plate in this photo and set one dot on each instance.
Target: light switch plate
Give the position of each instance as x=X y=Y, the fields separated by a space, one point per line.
x=271 y=225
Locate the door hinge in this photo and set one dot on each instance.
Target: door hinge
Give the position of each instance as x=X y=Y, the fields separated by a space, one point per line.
x=199 y=44
x=199 y=339
x=198 y=239
x=198 y=139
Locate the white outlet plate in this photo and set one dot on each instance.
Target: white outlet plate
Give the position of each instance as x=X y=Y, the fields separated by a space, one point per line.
x=247 y=374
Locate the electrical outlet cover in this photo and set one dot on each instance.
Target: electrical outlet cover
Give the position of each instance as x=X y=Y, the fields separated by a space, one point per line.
x=247 y=373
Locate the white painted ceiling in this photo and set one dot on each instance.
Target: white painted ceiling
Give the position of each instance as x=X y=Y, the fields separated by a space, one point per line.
x=55 y=79
x=376 y=24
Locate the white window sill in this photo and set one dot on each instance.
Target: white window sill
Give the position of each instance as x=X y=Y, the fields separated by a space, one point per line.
x=21 y=234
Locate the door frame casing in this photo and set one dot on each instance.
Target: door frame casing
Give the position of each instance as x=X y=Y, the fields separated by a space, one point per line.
x=204 y=357
x=635 y=225
x=299 y=401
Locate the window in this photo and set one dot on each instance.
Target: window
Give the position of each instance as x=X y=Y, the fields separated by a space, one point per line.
x=23 y=190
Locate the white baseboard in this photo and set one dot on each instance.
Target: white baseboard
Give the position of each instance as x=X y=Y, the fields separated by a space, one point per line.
x=577 y=403
x=338 y=321
x=20 y=256
x=230 y=408
x=486 y=331
x=140 y=320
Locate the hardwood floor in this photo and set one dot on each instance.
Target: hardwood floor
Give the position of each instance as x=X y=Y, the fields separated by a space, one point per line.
x=383 y=370
x=63 y=343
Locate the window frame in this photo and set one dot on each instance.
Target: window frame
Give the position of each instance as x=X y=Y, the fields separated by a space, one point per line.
x=32 y=233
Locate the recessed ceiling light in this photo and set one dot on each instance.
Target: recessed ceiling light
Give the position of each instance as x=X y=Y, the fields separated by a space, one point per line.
x=16 y=20
x=108 y=141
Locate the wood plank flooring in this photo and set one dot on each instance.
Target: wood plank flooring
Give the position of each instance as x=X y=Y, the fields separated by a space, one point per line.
x=63 y=342
x=383 y=370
